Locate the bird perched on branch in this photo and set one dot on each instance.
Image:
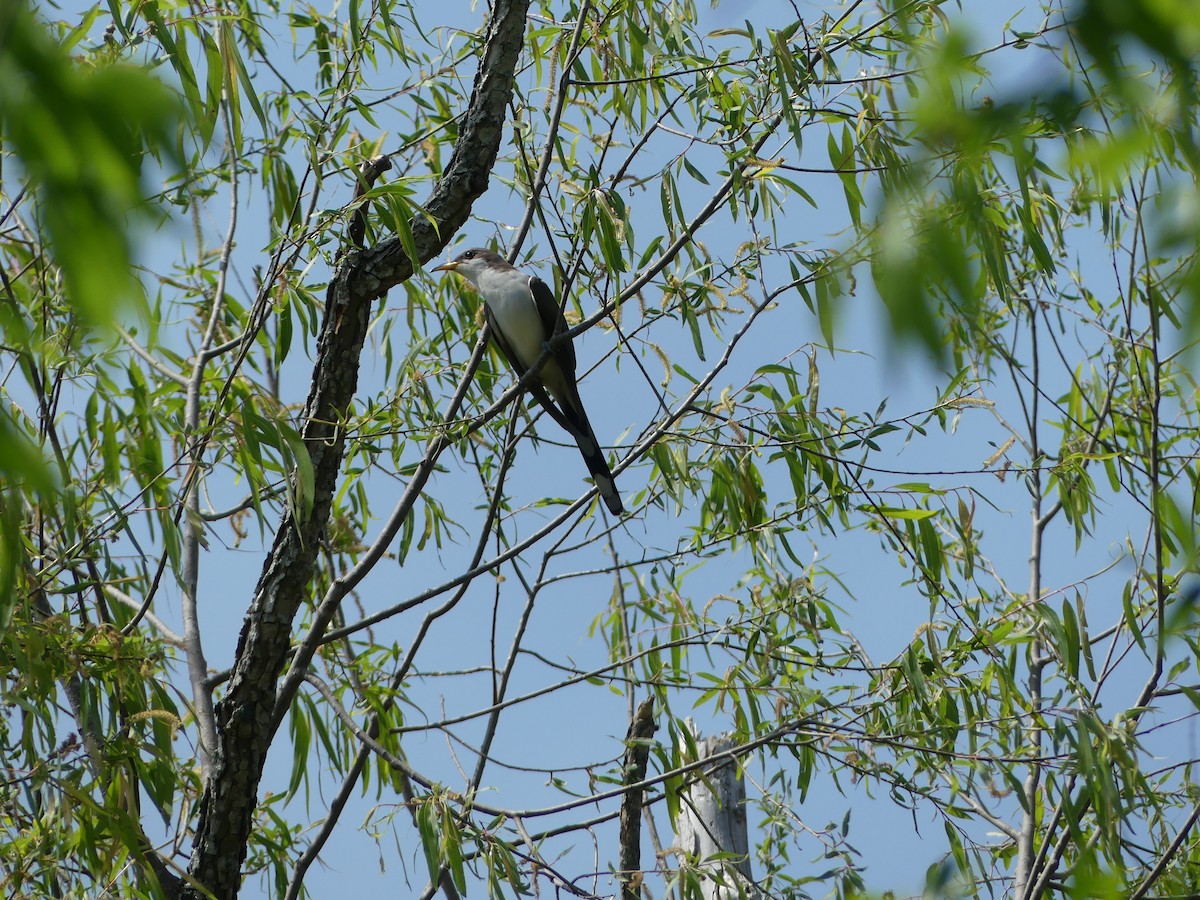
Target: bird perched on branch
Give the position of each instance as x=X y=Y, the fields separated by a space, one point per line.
x=524 y=316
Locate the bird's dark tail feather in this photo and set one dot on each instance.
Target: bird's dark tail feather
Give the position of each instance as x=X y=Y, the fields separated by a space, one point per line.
x=574 y=421
x=593 y=458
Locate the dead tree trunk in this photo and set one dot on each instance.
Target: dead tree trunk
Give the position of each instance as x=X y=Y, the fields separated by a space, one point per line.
x=712 y=836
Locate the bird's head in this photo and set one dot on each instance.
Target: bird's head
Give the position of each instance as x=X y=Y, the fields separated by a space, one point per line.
x=472 y=263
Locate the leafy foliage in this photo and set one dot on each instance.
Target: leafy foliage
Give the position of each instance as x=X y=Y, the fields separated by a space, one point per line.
x=977 y=608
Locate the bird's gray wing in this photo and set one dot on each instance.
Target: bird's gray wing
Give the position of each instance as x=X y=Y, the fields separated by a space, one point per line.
x=570 y=406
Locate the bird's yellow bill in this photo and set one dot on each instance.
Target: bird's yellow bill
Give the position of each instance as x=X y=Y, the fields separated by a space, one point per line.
x=446 y=267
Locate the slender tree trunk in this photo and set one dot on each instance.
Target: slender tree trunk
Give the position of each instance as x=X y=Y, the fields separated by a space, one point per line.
x=637 y=755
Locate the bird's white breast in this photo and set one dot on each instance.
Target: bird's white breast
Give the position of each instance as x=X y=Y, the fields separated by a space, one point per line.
x=511 y=303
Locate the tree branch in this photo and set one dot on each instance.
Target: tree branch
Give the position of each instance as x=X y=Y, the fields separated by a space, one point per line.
x=637 y=755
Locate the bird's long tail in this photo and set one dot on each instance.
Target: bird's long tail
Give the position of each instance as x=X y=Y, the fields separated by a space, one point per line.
x=593 y=457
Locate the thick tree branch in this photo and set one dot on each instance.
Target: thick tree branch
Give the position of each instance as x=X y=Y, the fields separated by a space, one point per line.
x=245 y=721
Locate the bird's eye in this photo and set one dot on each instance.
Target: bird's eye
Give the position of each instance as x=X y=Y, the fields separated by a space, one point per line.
x=470 y=254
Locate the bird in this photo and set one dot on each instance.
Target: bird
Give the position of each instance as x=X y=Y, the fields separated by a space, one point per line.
x=524 y=316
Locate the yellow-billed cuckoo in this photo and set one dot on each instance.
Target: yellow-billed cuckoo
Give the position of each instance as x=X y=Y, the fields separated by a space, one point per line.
x=524 y=316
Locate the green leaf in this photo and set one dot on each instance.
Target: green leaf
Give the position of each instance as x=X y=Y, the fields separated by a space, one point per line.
x=81 y=137
x=894 y=512
x=427 y=828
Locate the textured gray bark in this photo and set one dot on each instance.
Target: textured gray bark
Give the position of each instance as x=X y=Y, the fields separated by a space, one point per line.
x=244 y=715
x=712 y=820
